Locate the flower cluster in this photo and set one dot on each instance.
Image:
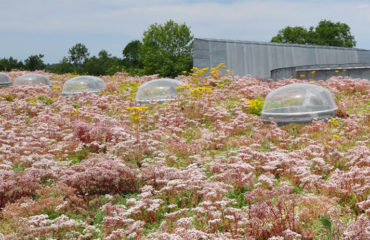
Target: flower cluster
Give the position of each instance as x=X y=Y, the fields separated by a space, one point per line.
x=135 y=112
x=255 y=106
x=198 y=93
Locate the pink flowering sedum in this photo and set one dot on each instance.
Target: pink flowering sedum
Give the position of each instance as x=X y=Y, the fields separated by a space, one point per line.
x=205 y=167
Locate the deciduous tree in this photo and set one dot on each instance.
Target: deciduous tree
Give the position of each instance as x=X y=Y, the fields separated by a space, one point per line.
x=167 y=49
x=78 y=54
x=326 y=33
x=34 y=62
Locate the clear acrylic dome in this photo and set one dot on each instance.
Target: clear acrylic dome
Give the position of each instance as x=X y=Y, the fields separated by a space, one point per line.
x=32 y=79
x=298 y=103
x=158 y=90
x=5 y=80
x=81 y=84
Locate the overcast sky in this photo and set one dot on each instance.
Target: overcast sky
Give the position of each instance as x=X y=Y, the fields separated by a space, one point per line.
x=51 y=27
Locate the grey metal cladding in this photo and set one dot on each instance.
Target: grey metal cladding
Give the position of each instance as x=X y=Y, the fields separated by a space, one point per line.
x=259 y=58
x=363 y=56
x=217 y=51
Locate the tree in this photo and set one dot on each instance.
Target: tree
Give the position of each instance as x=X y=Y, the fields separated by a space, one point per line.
x=332 y=34
x=7 y=64
x=63 y=66
x=78 y=54
x=325 y=33
x=104 y=64
x=291 y=35
x=167 y=49
x=34 y=62
x=132 y=55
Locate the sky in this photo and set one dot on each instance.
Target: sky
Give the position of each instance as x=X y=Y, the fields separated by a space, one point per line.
x=52 y=27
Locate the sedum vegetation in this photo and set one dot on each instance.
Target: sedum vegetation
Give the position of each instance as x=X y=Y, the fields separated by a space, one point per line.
x=202 y=167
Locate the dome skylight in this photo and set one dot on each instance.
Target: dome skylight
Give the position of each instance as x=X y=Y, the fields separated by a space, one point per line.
x=5 y=80
x=32 y=79
x=83 y=83
x=298 y=103
x=158 y=90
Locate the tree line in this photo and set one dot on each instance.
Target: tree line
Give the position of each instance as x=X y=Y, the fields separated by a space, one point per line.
x=167 y=50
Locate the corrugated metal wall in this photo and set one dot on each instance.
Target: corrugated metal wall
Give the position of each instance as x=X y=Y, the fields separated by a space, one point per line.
x=258 y=58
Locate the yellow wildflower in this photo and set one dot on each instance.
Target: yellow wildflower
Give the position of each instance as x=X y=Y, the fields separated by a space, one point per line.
x=334 y=121
x=336 y=136
x=221 y=65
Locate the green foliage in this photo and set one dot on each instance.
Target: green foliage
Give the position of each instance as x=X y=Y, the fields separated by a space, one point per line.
x=265 y=147
x=104 y=64
x=327 y=224
x=34 y=62
x=132 y=58
x=78 y=54
x=326 y=33
x=238 y=194
x=99 y=217
x=333 y=34
x=42 y=98
x=297 y=189
x=167 y=49
x=79 y=156
x=64 y=66
x=294 y=131
x=7 y=64
x=76 y=105
x=52 y=214
x=291 y=35
x=18 y=168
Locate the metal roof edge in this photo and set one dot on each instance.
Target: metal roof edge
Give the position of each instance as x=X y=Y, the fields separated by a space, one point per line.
x=280 y=44
x=327 y=66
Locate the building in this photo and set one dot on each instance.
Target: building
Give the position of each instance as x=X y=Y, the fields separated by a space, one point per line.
x=278 y=60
